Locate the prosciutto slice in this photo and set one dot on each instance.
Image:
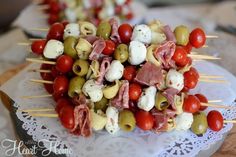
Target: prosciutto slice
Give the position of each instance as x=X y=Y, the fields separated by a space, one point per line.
x=170 y=93
x=164 y=53
x=105 y=65
x=114 y=33
x=121 y=100
x=169 y=34
x=82 y=117
x=149 y=75
x=98 y=47
x=161 y=119
x=96 y=3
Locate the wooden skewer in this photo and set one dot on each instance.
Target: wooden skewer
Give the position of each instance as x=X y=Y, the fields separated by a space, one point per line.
x=39 y=70
x=214 y=101
x=53 y=115
x=211 y=76
x=39 y=29
x=40 y=61
x=229 y=121
x=43 y=7
x=38 y=110
x=212 y=36
x=194 y=56
x=33 y=39
x=24 y=44
x=205 y=46
x=37 y=96
x=212 y=81
x=41 y=81
x=218 y=106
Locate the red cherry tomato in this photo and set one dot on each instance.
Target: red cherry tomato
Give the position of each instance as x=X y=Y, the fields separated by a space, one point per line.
x=61 y=103
x=129 y=73
x=125 y=32
x=64 y=63
x=54 y=7
x=57 y=96
x=53 y=18
x=60 y=85
x=191 y=78
x=202 y=99
x=110 y=47
x=46 y=76
x=188 y=48
x=144 y=120
x=118 y=9
x=66 y=116
x=191 y=104
x=37 y=46
x=56 y=32
x=135 y=91
x=180 y=56
x=48 y=88
x=55 y=72
x=129 y=16
x=197 y=38
x=215 y=120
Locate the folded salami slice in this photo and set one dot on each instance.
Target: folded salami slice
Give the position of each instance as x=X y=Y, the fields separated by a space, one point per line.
x=150 y=75
x=105 y=65
x=164 y=53
x=98 y=47
x=121 y=100
x=114 y=33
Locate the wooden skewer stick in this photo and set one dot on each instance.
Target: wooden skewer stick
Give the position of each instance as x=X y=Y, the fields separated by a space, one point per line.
x=205 y=46
x=229 y=121
x=33 y=39
x=39 y=29
x=40 y=61
x=41 y=81
x=39 y=70
x=212 y=36
x=218 y=106
x=37 y=96
x=53 y=115
x=43 y=7
x=211 y=76
x=194 y=56
x=214 y=101
x=212 y=81
x=24 y=44
x=38 y=110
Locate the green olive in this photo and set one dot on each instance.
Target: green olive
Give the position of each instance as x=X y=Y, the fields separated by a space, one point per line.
x=121 y=53
x=182 y=35
x=104 y=30
x=101 y=105
x=161 y=102
x=75 y=86
x=199 y=125
x=80 y=67
x=69 y=47
x=127 y=120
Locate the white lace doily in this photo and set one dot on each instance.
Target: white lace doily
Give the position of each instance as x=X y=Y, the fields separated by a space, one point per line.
x=137 y=143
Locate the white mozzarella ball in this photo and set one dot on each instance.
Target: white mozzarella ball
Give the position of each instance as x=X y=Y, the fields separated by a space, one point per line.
x=53 y=49
x=112 y=125
x=175 y=80
x=120 y=2
x=93 y=90
x=184 y=121
x=71 y=29
x=142 y=33
x=147 y=99
x=115 y=71
x=137 y=52
x=70 y=15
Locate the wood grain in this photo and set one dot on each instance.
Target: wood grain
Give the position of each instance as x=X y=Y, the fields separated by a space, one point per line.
x=228 y=149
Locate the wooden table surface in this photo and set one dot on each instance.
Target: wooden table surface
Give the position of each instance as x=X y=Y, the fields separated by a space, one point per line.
x=228 y=149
